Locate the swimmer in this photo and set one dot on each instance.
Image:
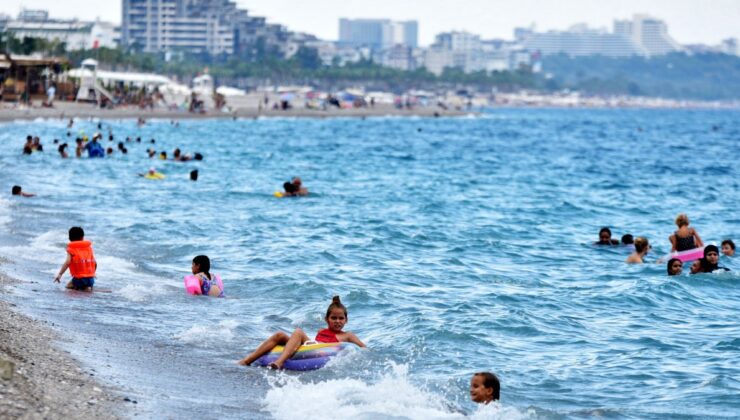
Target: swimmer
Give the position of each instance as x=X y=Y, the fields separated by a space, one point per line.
x=179 y=157
x=605 y=237
x=151 y=153
x=710 y=262
x=79 y=148
x=685 y=238
x=695 y=267
x=484 y=388
x=17 y=190
x=336 y=318
x=641 y=249
x=728 y=248
x=153 y=174
x=163 y=156
x=201 y=268
x=37 y=146
x=28 y=147
x=627 y=239
x=194 y=175
x=300 y=190
x=674 y=267
x=109 y=151
x=63 y=151
x=290 y=190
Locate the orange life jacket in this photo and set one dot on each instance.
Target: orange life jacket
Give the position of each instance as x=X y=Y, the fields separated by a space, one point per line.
x=83 y=259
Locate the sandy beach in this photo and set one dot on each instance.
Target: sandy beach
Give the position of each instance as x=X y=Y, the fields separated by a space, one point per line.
x=65 y=110
x=38 y=380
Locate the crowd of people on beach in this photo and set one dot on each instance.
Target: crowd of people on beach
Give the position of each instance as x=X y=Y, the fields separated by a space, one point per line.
x=686 y=246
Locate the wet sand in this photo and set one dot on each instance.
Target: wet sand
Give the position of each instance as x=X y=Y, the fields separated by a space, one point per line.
x=66 y=110
x=45 y=382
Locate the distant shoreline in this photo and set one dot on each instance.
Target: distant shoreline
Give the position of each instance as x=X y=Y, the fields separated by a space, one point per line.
x=66 y=110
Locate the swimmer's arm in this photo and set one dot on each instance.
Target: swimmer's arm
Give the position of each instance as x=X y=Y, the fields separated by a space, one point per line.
x=672 y=238
x=351 y=338
x=699 y=242
x=64 y=268
x=25 y=194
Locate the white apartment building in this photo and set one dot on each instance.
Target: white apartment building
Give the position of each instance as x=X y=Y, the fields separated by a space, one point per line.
x=378 y=34
x=648 y=32
x=75 y=34
x=580 y=40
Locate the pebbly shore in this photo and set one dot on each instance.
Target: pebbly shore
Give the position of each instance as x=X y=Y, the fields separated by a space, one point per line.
x=38 y=380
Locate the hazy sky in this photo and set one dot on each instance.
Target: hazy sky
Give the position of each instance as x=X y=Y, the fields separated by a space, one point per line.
x=689 y=21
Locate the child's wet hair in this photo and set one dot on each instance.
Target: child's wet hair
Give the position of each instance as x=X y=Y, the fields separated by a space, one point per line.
x=204 y=263
x=76 y=234
x=627 y=239
x=336 y=304
x=729 y=243
x=16 y=190
x=491 y=381
x=670 y=264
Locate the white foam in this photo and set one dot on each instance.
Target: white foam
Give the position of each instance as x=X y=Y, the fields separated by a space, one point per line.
x=392 y=396
x=209 y=334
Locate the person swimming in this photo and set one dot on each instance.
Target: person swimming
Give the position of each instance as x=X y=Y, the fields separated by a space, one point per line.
x=605 y=237
x=628 y=239
x=17 y=190
x=642 y=247
x=485 y=388
x=728 y=248
x=685 y=238
x=674 y=267
x=710 y=262
x=336 y=318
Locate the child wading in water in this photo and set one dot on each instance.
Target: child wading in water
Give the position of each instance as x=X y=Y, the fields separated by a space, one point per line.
x=336 y=318
x=80 y=261
x=484 y=388
x=201 y=268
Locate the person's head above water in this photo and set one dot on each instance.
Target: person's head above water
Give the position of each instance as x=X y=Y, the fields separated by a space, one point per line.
x=297 y=181
x=485 y=387
x=336 y=315
x=16 y=190
x=289 y=188
x=711 y=256
x=641 y=244
x=627 y=239
x=605 y=237
x=201 y=264
x=728 y=247
x=674 y=267
x=682 y=220
x=76 y=234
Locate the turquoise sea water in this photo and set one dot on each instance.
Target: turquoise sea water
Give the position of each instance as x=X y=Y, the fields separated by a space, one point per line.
x=458 y=245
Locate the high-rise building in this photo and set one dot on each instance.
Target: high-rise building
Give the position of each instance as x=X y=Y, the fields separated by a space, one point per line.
x=378 y=33
x=198 y=26
x=580 y=41
x=648 y=32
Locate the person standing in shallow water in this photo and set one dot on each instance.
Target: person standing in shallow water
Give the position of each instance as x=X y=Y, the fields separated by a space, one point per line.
x=685 y=238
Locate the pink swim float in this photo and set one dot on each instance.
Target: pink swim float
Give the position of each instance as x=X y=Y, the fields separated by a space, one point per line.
x=192 y=284
x=688 y=255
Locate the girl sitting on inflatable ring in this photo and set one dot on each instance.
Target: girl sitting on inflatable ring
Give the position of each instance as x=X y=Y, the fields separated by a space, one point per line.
x=336 y=318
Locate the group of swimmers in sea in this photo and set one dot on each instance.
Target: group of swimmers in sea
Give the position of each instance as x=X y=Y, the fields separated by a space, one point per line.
x=685 y=238
x=485 y=387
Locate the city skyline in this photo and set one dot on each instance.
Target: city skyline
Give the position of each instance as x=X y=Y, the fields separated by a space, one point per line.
x=687 y=20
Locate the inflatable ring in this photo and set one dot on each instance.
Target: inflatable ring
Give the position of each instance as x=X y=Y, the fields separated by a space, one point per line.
x=688 y=255
x=154 y=176
x=308 y=356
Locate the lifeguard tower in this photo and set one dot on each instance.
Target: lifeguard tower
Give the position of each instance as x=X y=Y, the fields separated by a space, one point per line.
x=90 y=89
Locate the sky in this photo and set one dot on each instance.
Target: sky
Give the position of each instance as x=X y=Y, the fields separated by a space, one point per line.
x=689 y=21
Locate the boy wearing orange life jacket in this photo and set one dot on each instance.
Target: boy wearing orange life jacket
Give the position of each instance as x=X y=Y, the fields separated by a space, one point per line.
x=80 y=261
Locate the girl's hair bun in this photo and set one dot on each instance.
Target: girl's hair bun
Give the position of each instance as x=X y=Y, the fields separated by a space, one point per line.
x=335 y=299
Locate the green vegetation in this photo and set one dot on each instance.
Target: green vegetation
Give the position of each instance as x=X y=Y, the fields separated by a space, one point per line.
x=677 y=75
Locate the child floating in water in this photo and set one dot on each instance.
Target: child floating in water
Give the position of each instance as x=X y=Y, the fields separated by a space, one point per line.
x=641 y=249
x=710 y=262
x=685 y=238
x=674 y=267
x=605 y=237
x=336 y=318
x=484 y=387
x=80 y=261
x=201 y=268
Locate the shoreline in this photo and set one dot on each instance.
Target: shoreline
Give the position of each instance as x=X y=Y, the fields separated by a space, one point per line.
x=66 y=110
x=44 y=381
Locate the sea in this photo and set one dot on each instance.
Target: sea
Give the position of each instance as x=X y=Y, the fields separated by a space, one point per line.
x=459 y=245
